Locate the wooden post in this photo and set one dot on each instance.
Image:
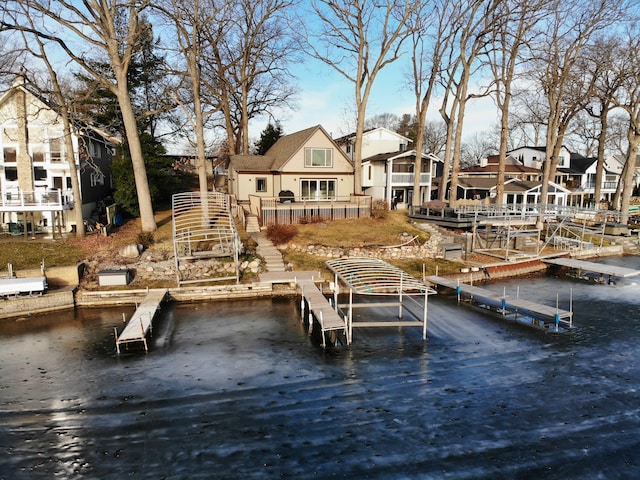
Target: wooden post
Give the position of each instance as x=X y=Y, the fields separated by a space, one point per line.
x=424 y=315
x=115 y=330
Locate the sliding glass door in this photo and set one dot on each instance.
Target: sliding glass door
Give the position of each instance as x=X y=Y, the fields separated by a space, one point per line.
x=318 y=189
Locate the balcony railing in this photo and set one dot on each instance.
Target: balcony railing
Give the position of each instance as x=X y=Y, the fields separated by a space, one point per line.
x=407 y=178
x=592 y=186
x=44 y=199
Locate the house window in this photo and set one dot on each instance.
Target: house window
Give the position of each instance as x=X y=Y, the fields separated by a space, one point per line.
x=97 y=179
x=38 y=154
x=261 y=184
x=55 y=149
x=369 y=172
x=318 y=157
x=9 y=155
x=11 y=174
x=318 y=189
x=68 y=182
x=39 y=173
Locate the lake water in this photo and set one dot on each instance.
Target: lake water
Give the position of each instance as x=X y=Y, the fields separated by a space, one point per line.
x=238 y=390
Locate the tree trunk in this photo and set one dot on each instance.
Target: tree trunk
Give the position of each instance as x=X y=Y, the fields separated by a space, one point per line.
x=147 y=220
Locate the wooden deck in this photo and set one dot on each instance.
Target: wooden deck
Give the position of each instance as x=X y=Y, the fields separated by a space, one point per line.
x=141 y=322
x=523 y=311
x=582 y=266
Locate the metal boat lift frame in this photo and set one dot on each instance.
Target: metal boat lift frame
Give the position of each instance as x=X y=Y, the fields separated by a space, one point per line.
x=371 y=276
x=203 y=228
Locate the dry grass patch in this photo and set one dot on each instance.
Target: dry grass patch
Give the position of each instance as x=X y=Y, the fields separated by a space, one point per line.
x=361 y=232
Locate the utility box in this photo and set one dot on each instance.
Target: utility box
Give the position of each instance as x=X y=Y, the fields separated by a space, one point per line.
x=450 y=250
x=110 y=278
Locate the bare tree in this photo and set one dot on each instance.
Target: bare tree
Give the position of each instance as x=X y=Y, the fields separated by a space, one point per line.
x=36 y=48
x=432 y=34
x=249 y=49
x=476 y=148
x=192 y=22
x=111 y=28
x=472 y=26
x=608 y=68
x=390 y=121
x=629 y=101
x=559 y=61
x=358 y=39
x=513 y=22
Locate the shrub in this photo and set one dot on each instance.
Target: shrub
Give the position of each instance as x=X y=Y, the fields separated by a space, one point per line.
x=279 y=234
x=379 y=209
x=145 y=239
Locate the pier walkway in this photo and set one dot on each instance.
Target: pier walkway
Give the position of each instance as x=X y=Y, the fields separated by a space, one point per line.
x=580 y=266
x=141 y=322
x=317 y=305
x=523 y=311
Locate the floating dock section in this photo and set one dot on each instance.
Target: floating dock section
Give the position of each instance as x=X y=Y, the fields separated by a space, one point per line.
x=141 y=323
x=522 y=311
x=579 y=267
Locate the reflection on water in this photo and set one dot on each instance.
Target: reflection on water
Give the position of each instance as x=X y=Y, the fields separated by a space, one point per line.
x=239 y=390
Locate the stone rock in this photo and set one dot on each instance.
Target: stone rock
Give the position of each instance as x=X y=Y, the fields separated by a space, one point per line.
x=131 y=251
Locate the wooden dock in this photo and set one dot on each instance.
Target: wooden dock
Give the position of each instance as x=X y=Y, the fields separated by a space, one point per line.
x=523 y=311
x=580 y=266
x=313 y=301
x=319 y=308
x=141 y=323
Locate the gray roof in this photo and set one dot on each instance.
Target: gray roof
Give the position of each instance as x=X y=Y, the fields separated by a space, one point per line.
x=252 y=163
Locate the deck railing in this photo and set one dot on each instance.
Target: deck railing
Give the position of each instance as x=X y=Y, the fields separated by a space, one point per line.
x=45 y=198
x=296 y=210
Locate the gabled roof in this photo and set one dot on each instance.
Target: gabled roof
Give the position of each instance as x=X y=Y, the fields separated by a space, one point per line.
x=495 y=159
x=279 y=153
x=539 y=149
x=383 y=157
x=345 y=138
x=508 y=168
x=288 y=145
x=582 y=164
x=251 y=163
x=474 y=183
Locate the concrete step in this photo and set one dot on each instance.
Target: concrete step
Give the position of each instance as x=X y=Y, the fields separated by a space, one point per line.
x=278 y=268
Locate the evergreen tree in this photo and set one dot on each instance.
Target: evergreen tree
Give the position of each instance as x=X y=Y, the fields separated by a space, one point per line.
x=268 y=137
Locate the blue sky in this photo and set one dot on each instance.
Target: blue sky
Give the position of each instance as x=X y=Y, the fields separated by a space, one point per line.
x=326 y=98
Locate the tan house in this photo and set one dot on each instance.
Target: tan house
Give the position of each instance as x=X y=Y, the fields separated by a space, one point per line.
x=306 y=165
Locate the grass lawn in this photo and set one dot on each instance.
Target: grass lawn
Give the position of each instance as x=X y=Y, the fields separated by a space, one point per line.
x=365 y=233
x=361 y=232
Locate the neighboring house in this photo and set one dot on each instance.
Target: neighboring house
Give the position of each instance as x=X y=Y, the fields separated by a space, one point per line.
x=534 y=157
x=615 y=164
x=512 y=169
x=582 y=181
x=374 y=141
x=390 y=176
x=307 y=163
x=388 y=166
x=33 y=168
x=516 y=191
